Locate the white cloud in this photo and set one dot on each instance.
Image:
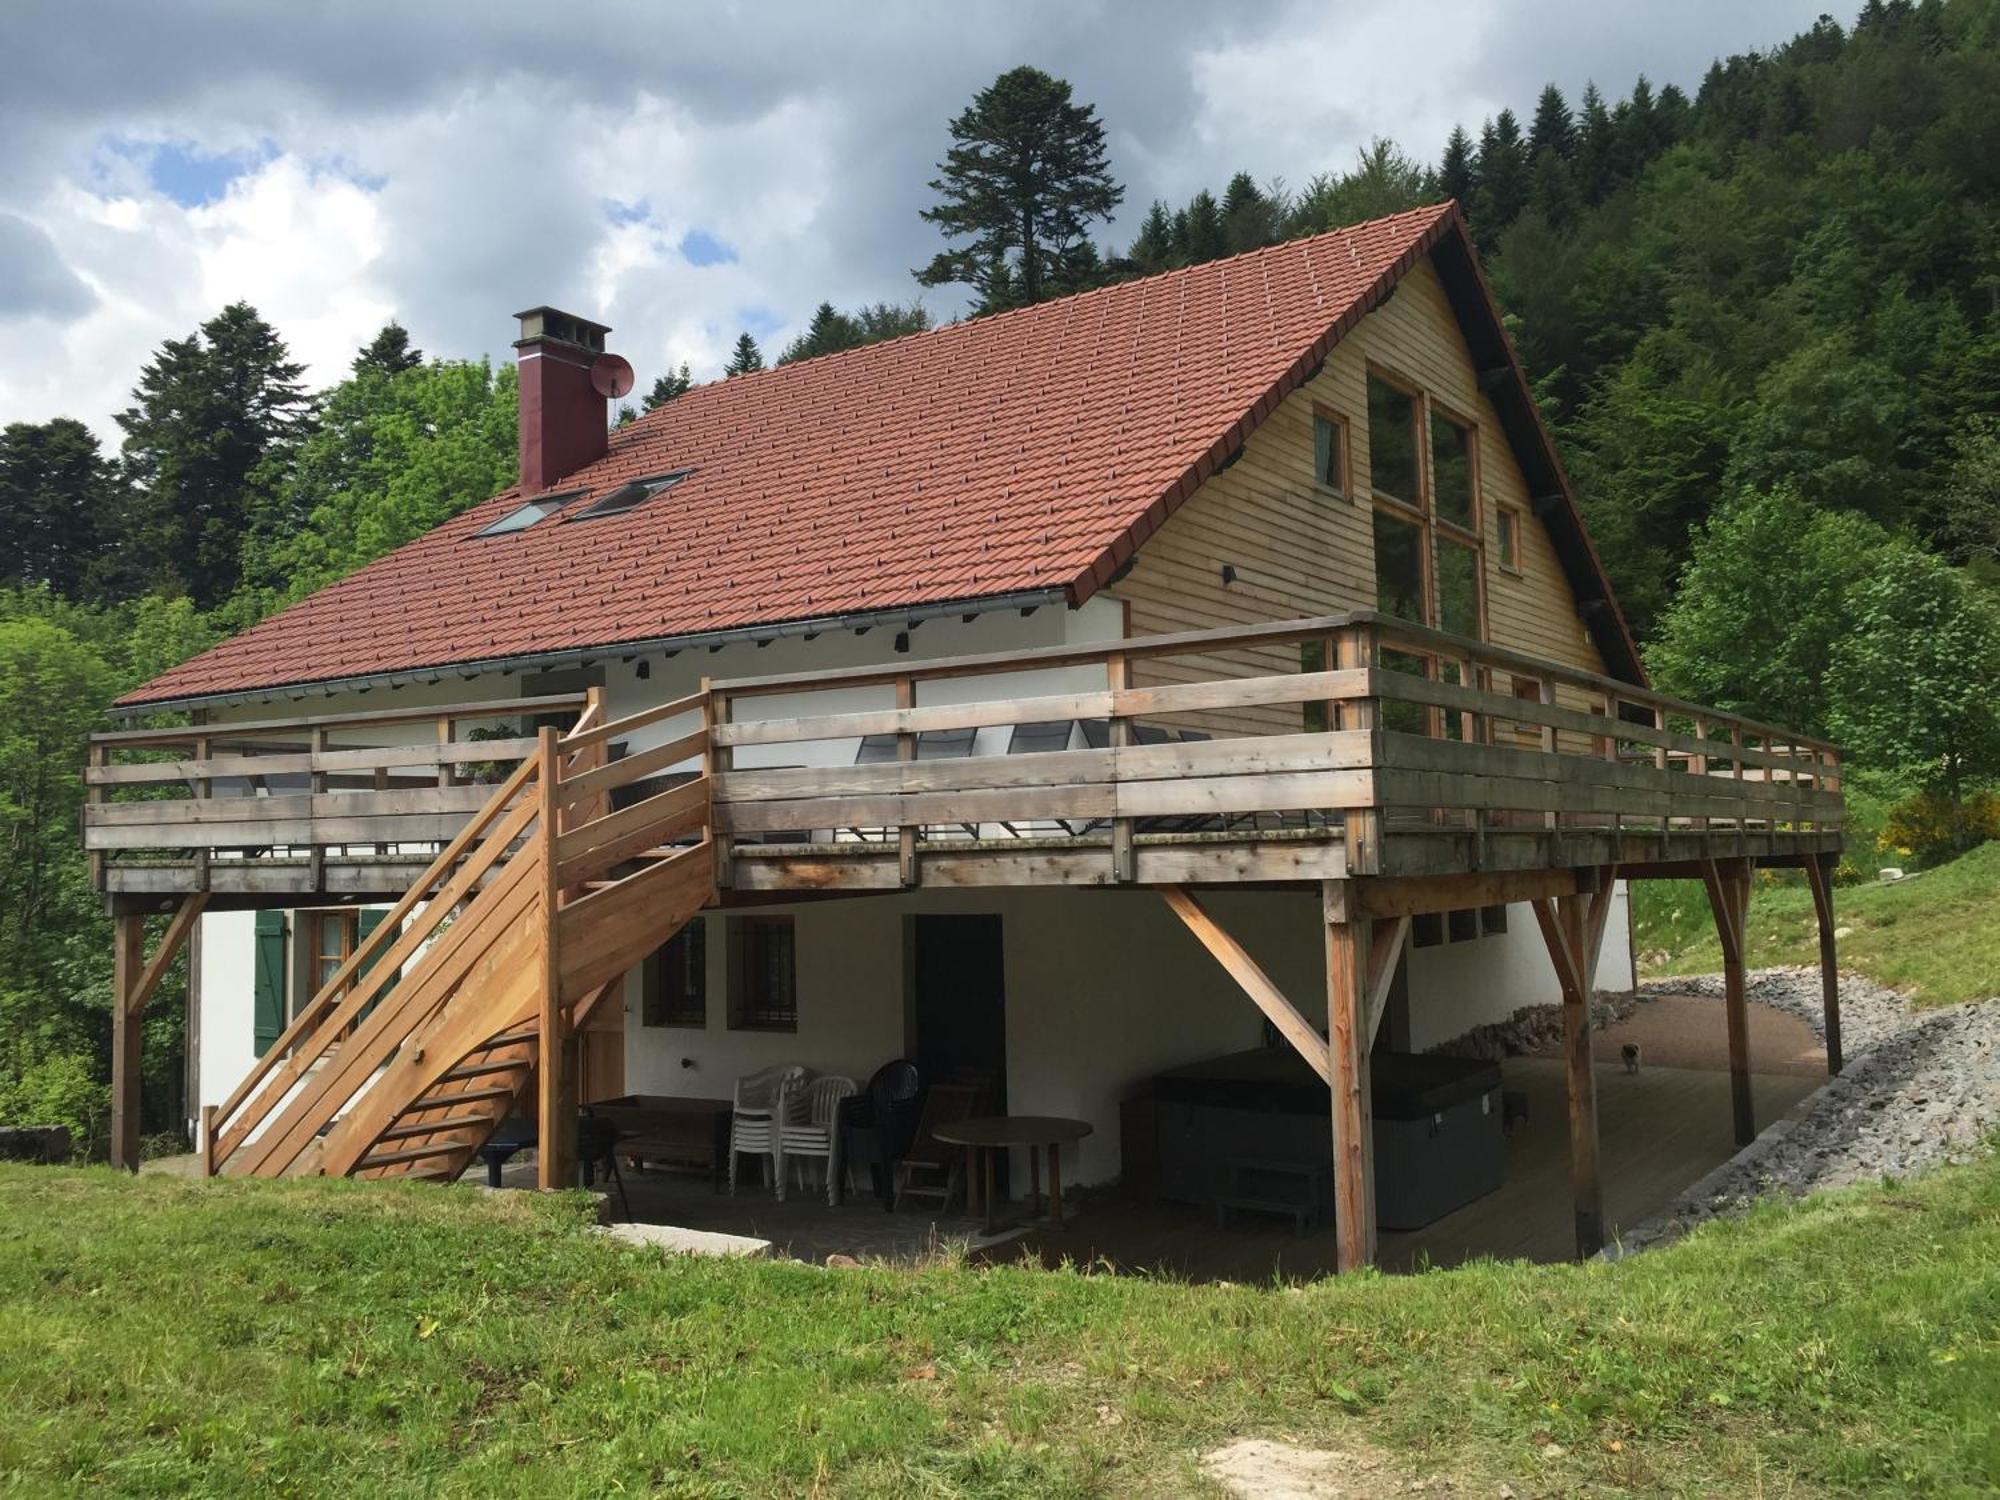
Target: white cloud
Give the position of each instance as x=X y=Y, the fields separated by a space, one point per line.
x=449 y=163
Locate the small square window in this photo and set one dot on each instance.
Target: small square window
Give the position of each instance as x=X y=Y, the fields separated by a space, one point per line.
x=1426 y=930
x=631 y=496
x=523 y=516
x=1330 y=453
x=763 y=975
x=1493 y=920
x=1508 y=525
x=674 y=980
x=1463 y=924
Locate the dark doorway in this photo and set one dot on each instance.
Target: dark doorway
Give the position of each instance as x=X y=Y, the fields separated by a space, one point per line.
x=958 y=1002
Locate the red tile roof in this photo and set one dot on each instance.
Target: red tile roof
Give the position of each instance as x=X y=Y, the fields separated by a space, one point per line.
x=1028 y=451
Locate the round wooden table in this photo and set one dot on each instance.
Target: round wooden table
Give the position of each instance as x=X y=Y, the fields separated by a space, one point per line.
x=988 y=1135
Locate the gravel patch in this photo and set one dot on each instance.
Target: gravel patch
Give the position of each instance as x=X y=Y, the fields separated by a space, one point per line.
x=1921 y=1087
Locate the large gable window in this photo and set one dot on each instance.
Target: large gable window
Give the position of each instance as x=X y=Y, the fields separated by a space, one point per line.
x=1428 y=546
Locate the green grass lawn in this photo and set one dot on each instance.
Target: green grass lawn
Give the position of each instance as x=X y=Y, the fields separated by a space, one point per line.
x=171 y=1336
x=1935 y=934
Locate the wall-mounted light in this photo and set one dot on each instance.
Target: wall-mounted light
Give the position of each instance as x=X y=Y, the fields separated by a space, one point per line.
x=644 y=670
x=903 y=641
x=1228 y=574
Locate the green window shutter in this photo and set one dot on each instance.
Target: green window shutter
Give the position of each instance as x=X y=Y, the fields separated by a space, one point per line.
x=268 y=1021
x=369 y=921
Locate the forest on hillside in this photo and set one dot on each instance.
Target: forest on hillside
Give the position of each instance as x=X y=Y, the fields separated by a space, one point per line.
x=1763 y=320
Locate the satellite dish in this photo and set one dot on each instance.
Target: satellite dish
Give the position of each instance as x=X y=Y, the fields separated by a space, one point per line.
x=611 y=376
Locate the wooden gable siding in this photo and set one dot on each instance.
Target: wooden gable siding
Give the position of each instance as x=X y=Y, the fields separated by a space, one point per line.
x=1298 y=550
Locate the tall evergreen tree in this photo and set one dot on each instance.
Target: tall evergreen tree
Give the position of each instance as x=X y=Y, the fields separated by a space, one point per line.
x=746 y=358
x=214 y=419
x=59 y=504
x=389 y=352
x=1249 y=215
x=1595 y=148
x=1153 y=250
x=1025 y=175
x=673 y=383
x=1554 y=128
x=1501 y=178
x=1205 y=239
x=1455 y=169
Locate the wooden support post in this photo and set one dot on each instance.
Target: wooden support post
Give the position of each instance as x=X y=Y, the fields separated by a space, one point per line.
x=1728 y=883
x=134 y=980
x=1353 y=1144
x=1118 y=677
x=906 y=751
x=1354 y=649
x=1573 y=929
x=555 y=1153
x=316 y=857
x=1819 y=873
x=128 y=951
x=714 y=759
x=203 y=788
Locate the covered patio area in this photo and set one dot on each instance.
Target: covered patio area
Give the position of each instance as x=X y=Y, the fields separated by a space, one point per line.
x=1661 y=1129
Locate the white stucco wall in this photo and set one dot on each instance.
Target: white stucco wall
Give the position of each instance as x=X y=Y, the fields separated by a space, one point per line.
x=225 y=982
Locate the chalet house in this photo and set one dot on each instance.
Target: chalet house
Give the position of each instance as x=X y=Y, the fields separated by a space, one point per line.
x=1018 y=697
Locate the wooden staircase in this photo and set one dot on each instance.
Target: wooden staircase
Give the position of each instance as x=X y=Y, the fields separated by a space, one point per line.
x=421 y=1044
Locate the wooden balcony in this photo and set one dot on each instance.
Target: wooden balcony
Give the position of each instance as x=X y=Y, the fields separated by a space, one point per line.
x=1308 y=750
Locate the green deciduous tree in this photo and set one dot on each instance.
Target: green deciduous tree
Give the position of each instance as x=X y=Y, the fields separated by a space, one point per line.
x=393 y=456
x=1762 y=607
x=1025 y=175
x=1910 y=687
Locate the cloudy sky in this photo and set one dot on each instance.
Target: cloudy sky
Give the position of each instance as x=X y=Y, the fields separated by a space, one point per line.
x=679 y=171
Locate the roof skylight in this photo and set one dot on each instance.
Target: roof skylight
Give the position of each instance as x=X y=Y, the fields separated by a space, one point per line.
x=630 y=496
x=524 y=516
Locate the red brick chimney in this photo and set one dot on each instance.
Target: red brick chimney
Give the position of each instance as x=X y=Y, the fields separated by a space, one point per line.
x=565 y=420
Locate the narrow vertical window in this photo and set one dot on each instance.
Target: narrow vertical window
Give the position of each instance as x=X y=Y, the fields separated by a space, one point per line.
x=1330 y=453
x=1508 y=533
x=673 y=982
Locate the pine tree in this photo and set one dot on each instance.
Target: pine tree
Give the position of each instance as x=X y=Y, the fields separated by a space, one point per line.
x=1249 y=219
x=214 y=418
x=58 y=497
x=1594 y=147
x=746 y=358
x=1501 y=178
x=1455 y=169
x=1554 y=128
x=389 y=352
x=1025 y=175
x=1204 y=228
x=829 y=332
x=1153 y=250
x=666 y=387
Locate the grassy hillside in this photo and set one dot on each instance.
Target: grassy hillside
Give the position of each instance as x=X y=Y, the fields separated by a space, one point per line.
x=1935 y=934
x=171 y=1336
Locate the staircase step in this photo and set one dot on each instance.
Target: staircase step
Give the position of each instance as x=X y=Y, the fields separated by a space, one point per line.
x=447 y=1101
x=409 y=1153
x=482 y=1069
x=512 y=1039
x=433 y=1127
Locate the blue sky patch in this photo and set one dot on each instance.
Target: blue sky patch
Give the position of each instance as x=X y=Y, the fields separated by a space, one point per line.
x=189 y=175
x=622 y=214
x=703 y=249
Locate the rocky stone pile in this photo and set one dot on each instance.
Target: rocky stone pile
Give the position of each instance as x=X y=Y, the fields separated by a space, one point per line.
x=1532 y=1029
x=1920 y=1087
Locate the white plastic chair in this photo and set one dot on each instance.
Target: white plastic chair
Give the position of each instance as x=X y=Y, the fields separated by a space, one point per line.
x=753 y=1119
x=812 y=1128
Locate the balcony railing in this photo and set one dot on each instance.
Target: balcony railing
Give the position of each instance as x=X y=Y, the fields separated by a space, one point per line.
x=1380 y=747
